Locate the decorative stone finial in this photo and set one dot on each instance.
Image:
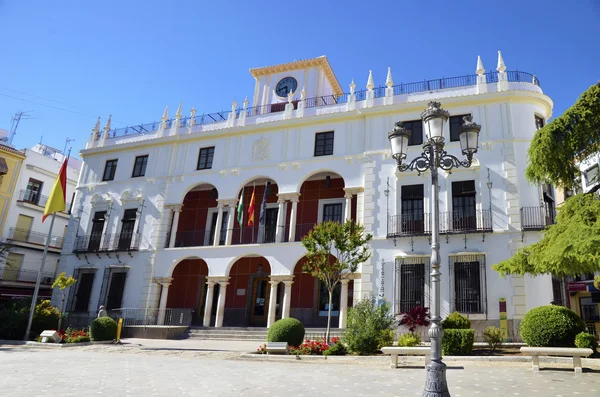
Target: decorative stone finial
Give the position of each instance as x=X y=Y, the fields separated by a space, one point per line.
x=370 y=84
x=193 y=112
x=165 y=116
x=352 y=87
x=388 y=81
x=480 y=69
x=107 y=126
x=290 y=96
x=233 y=105
x=178 y=112
x=97 y=127
x=303 y=93
x=501 y=66
x=245 y=103
x=192 y=120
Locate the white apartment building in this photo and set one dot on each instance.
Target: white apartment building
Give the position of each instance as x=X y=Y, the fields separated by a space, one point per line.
x=155 y=222
x=24 y=229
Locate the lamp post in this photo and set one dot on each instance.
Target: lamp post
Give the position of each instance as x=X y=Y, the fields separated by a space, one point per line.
x=433 y=157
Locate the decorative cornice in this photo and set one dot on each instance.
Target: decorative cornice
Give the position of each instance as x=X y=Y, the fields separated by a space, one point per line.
x=302 y=64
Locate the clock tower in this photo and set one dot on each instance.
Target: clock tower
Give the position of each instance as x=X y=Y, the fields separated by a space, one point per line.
x=274 y=83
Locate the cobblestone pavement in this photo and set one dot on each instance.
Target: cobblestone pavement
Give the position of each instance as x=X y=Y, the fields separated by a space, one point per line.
x=136 y=371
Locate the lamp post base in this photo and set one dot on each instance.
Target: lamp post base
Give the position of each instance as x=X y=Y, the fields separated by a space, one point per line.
x=436 y=385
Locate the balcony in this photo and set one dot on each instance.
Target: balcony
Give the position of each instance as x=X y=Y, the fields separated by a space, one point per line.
x=24 y=275
x=453 y=222
x=537 y=218
x=118 y=242
x=35 y=198
x=27 y=236
x=407 y=225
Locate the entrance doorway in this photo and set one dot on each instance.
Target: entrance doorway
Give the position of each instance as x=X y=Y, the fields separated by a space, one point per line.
x=259 y=309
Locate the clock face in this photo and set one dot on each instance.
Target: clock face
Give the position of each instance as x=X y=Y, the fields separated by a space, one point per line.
x=285 y=86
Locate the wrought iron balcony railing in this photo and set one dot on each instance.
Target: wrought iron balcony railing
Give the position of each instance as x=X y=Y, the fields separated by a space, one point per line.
x=399 y=89
x=537 y=218
x=107 y=242
x=35 y=198
x=458 y=222
x=410 y=224
x=24 y=275
x=31 y=237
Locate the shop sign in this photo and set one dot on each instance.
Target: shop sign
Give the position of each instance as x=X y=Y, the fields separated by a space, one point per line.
x=577 y=286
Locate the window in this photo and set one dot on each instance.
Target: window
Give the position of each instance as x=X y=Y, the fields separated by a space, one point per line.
x=109 y=170
x=333 y=212
x=455 y=123
x=412 y=209
x=463 y=215
x=97 y=231
x=113 y=286
x=127 y=229
x=539 y=122
x=558 y=289
x=324 y=143
x=84 y=292
x=213 y=228
x=139 y=167
x=33 y=192
x=467 y=278
x=591 y=176
x=412 y=275
x=205 y=159
x=416 y=127
x=324 y=300
x=589 y=309
x=12 y=266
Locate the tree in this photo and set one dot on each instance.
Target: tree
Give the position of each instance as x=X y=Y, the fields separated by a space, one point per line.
x=571 y=246
x=334 y=251
x=62 y=282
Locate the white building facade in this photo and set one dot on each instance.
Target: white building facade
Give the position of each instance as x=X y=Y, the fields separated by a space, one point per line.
x=24 y=228
x=156 y=224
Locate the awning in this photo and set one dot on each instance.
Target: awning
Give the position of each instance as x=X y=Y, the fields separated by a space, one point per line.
x=3 y=166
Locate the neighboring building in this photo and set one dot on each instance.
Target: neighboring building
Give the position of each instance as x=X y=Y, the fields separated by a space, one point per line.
x=155 y=222
x=24 y=229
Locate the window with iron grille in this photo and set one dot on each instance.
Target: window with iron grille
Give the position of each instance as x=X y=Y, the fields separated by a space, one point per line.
x=412 y=283
x=455 y=122
x=205 y=158
x=109 y=170
x=412 y=208
x=139 y=167
x=558 y=291
x=324 y=143
x=416 y=127
x=113 y=287
x=468 y=283
x=80 y=293
x=333 y=212
x=539 y=122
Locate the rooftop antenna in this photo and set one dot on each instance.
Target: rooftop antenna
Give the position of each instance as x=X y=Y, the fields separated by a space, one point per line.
x=67 y=141
x=15 y=123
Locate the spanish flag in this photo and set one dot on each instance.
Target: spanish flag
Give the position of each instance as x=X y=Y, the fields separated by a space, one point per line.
x=251 y=209
x=57 y=201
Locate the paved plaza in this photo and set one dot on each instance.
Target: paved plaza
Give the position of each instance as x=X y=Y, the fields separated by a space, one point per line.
x=180 y=369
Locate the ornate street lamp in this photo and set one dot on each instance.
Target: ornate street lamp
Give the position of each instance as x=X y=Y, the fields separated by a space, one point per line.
x=433 y=157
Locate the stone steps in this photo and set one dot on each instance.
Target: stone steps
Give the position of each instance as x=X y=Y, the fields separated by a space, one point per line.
x=247 y=333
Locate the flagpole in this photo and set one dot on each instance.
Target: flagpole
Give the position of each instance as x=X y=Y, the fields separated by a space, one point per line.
x=38 y=282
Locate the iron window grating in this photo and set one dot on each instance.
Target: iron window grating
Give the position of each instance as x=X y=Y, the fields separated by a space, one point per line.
x=405 y=265
x=472 y=298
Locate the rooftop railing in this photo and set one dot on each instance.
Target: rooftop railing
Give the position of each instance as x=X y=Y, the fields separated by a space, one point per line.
x=31 y=237
x=399 y=89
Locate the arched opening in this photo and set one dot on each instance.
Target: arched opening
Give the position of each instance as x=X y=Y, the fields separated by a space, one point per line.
x=260 y=225
x=197 y=221
x=188 y=288
x=248 y=293
x=310 y=298
x=322 y=198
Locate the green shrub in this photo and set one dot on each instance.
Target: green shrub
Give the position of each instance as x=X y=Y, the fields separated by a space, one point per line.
x=583 y=340
x=368 y=327
x=337 y=349
x=287 y=330
x=493 y=337
x=551 y=326
x=456 y=321
x=45 y=317
x=386 y=338
x=409 y=340
x=458 y=342
x=13 y=318
x=103 y=328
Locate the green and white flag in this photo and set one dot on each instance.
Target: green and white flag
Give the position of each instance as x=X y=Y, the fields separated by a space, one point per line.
x=240 y=208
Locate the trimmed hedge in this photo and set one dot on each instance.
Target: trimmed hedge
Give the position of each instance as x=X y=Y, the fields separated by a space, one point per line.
x=287 y=330
x=551 y=326
x=458 y=342
x=456 y=321
x=103 y=328
x=583 y=340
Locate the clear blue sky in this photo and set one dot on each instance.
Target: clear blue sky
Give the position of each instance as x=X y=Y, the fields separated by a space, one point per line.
x=130 y=58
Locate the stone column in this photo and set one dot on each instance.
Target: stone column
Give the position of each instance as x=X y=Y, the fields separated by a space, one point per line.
x=221 y=303
x=280 y=221
x=208 y=303
x=162 y=307
x=293 y=215
x=272 y=303
x=344 y=303
x=348 y=214
x=174 y=226
x=230 y=218
x=219 y=222
x=287 y=298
